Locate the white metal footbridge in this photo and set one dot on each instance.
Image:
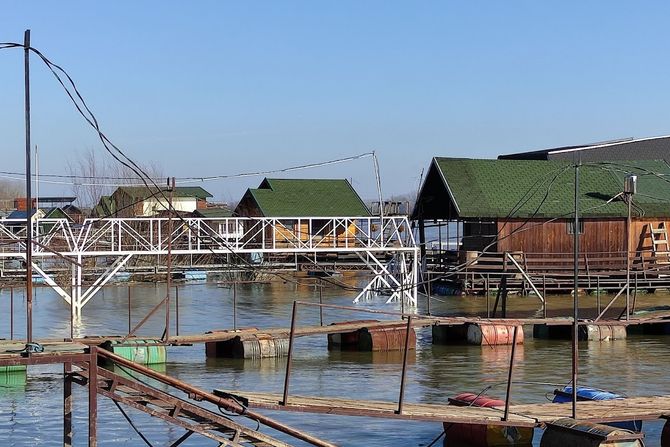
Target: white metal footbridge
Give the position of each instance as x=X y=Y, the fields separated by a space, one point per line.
x=98 y=249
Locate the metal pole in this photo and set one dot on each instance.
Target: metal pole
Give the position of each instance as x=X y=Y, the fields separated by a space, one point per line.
x=235 y=305
x=629 y=200
x=29 y=200
x=67 y=405
x=544 y=294
x=428 y=288
x=598 y=294
x=508 y=394
x=488 y=296
x=176 y=307
x=320 y=302
x=11 y=313
x=93 y=398
x=632 y=309
x=403 y=377
x=575 y=298
x=169 y=261
x=72 y=318
x=129 y=326
x=290 y=355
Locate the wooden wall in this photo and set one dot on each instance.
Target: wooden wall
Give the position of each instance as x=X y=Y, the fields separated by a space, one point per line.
x=605 y=235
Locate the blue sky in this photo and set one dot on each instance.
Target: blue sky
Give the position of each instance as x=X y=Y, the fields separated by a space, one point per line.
x=212 y=87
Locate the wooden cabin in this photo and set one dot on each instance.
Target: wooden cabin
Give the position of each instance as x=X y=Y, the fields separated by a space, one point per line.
x=526 y=207
x=305 y=209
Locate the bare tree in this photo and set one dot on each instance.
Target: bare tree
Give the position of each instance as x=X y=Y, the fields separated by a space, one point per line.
x=96 y=175
x=10 y=190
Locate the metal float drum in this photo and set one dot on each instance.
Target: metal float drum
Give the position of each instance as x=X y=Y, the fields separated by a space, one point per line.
x=568 y=432
x=493 y=334
x=144 y=351
x=484 y=435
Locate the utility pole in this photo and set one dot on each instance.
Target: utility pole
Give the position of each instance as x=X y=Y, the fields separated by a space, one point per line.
x=29 y=200
x=168 y=281
x=575 y=297
x=629 y=188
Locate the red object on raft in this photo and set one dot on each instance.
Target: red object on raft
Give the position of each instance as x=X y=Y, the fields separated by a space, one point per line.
x=475 y=400
x=484 y=435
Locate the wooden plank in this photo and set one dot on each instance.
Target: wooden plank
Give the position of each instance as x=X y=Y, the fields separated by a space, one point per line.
x=637 y=408
x=383 y=409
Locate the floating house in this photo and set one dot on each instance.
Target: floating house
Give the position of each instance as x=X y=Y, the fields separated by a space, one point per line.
x=136 y=201
x=305 y=208
x=526 y=207
x=652 y=148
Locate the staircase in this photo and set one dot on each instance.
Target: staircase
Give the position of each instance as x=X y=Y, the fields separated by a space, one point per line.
x=659 y=243
x=130 y=384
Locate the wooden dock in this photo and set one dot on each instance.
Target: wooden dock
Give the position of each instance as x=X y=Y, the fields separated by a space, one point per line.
x=529 y=415
x=12 y=352
x=417 y=322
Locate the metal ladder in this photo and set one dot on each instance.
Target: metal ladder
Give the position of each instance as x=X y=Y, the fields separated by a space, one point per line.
x=660 y=243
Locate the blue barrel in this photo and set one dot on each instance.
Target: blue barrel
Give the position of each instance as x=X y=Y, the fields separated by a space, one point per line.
x=585 y=393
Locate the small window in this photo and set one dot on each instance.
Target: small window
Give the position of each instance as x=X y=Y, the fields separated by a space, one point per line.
x=571 y=227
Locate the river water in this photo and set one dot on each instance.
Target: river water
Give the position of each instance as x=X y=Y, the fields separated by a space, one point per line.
x=31 y=410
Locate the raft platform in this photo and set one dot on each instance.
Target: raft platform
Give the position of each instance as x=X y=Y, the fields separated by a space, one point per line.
x=527 y=415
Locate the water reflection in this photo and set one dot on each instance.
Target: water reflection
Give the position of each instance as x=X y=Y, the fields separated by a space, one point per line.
x=30 y=414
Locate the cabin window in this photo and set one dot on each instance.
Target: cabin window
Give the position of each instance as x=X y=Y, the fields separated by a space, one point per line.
x=571 y=227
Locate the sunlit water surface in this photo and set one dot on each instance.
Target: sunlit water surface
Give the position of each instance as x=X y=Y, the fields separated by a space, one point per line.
x=31 y=413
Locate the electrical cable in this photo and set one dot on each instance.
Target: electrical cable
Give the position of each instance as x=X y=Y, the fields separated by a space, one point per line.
x=144 y=438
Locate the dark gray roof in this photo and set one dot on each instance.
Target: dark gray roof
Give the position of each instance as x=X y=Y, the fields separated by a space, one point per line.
x=653 y=148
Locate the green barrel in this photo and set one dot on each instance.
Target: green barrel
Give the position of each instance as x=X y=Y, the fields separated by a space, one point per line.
x=10 y=369
x=143 y=351
x=14 y=379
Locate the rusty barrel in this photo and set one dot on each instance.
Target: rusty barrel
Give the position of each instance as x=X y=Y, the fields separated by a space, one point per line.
x=493 y=334
x=388 y=338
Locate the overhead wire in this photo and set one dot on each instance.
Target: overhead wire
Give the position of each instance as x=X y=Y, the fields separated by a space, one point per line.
x=120 y=156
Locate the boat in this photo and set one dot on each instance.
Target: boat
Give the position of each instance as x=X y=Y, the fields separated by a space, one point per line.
x=585 y=393
x=484 y=435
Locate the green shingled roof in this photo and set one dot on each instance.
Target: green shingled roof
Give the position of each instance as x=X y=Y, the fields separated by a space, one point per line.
x=308 y=197
x=142 y=192
x=516 y=188
x=106 y=207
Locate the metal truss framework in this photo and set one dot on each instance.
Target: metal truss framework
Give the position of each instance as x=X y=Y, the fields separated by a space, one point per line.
x=385 y=245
